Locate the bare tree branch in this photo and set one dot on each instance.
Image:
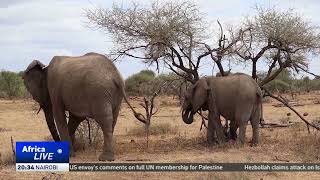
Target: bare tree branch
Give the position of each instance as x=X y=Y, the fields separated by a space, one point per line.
x=280 y=98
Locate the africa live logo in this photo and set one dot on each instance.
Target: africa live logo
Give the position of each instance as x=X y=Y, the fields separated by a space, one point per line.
x=42 y=156
x=40 y=152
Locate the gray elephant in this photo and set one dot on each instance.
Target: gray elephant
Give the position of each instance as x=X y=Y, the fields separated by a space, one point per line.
x=85 y=86
x=237 y=98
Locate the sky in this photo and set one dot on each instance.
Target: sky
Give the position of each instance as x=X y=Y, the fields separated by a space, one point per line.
x=41 y=29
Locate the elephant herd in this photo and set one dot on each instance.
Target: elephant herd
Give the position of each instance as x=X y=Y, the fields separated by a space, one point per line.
x=91 y=86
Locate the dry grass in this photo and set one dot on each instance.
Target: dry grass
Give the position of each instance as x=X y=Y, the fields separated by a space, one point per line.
x=82 y=140
x=154 y=129
x=3 y=129
x=170 y=140
x=305 y=146
x=52 y=176
x=235 y=176
x=308 y=148
x=7 y=159
x=167 y=103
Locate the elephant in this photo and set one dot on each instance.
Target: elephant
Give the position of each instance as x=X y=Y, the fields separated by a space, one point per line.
x=237 y=98
x=85 y=86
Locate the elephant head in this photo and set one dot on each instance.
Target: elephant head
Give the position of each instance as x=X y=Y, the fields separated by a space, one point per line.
x=195 y=99
x=35 y=80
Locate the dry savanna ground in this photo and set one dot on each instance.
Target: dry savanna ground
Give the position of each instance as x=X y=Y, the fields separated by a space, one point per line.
x=170 y=141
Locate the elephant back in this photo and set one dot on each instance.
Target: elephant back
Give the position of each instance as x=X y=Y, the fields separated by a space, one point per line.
x=90 y=71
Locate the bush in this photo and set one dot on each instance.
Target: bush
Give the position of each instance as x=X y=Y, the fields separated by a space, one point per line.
x=285 y=82
x=135 y=82
x=11 y=84
x=278 y=84
x=145 y=83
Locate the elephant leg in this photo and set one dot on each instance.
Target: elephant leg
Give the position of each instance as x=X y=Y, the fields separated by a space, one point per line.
x=210 y=132
x=73 y=124
x=115 y=117
x=242 y=131
x=255 y=120
x=105 y=121
x=62 y=126
x=216 y=125
x=243 y=115
x=233 y=130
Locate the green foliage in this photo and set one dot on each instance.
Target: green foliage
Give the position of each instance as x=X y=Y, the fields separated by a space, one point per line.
x=135 y=82
x=145 y=83
x=306 y=84
x=285 y=82
x=278 y=84
x=11 y=84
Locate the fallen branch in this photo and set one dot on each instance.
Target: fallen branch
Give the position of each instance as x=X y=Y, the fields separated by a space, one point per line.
x=292 y=104
x=281 y=99
x=274 y=125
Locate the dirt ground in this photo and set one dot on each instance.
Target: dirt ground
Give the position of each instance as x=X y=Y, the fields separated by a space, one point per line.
x=183 y=143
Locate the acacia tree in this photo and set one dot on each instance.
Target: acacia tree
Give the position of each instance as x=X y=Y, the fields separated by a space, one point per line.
x=169 y=33
x=281 y=39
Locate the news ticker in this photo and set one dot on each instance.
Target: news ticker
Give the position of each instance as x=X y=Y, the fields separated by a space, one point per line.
x=54 y=156
x=171 y=167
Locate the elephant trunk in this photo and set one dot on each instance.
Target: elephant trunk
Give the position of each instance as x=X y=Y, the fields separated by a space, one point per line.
x=50 y=122
x=187 y=116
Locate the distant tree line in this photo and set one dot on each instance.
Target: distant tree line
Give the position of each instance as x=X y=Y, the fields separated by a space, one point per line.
x=287 y=82
x=146 y=82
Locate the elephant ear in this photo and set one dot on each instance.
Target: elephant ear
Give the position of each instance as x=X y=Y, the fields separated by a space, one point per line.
x=33 y=64
x=199 y=94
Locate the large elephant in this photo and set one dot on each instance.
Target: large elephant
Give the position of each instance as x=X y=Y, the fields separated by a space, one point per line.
x=85 y=86
x=237 y=98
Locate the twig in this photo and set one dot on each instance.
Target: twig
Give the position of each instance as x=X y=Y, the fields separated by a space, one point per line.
x=203 y=118
x=12 y=147
x=281 y=99
x=283 y=160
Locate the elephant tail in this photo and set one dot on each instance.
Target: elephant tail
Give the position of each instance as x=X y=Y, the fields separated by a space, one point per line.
x=137 y=115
